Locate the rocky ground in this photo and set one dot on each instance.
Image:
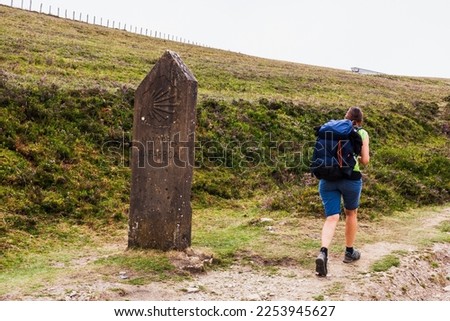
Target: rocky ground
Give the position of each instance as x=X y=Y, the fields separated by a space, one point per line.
x=422 y=274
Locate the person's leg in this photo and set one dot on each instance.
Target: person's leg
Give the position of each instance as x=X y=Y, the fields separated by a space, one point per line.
x=351 y=226
x=328 y=229
x=331 y=199
x=327 y=236
x=351 y=191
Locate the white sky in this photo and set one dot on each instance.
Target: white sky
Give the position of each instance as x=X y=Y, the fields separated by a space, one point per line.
x=401 y=37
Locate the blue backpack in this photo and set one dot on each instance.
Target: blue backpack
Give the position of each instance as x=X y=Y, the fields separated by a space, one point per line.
x=337 y=144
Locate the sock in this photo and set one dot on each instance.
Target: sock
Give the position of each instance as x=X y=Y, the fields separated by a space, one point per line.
x=324 y=250
x=349 y=250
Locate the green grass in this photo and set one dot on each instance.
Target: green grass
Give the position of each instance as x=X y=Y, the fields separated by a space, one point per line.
x=385 y=263
x=319 y=297
x=139 y=261
x=225 y=231
x=444 y=227
x=144 y=266
x=66 y=98
x=443 y=233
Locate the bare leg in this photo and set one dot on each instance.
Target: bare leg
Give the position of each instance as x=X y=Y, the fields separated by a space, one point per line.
x=328 y=229
x=351 y=225
x=327 y=236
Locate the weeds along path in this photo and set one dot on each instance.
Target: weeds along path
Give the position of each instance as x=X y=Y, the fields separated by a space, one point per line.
x=408 y=260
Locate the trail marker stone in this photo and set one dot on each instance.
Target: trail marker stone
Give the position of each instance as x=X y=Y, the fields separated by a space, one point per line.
x=163 y=157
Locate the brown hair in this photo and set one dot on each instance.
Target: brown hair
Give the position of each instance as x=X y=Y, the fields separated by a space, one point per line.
x=355 y=114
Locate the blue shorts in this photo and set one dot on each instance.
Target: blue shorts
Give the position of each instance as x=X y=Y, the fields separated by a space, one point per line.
x=332 y=191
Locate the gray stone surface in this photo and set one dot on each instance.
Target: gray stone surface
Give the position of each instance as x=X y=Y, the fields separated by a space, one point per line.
x=163 y=157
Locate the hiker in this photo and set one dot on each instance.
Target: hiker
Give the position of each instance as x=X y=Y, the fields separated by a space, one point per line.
x=349 y=188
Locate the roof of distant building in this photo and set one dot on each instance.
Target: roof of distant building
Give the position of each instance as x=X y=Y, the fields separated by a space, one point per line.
x=365 y=71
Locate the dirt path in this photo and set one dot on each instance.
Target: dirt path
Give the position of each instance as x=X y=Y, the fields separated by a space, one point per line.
x=415 y=279
x=423 y=274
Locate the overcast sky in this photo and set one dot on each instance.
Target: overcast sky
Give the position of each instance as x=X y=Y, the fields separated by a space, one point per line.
x=401 y=37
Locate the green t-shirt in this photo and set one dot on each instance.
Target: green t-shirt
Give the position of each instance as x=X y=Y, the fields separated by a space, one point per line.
x=364 y=135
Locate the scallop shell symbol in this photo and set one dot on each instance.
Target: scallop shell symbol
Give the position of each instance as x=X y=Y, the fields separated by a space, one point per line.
x=160 y=108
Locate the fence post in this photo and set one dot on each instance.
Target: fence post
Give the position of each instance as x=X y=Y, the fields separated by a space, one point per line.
x=31 y=1
x=50 y=10
x=21 y=5
x=87 y=18
x=80 y=16
x=40 y=8
x=73 y=16
x=65 y=13
x=58 y=11
x=94 y=20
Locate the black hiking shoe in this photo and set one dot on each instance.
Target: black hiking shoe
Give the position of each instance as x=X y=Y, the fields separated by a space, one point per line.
x=321 y=264
x=350 y=257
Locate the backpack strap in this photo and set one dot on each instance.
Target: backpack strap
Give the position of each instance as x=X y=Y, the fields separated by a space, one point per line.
x=339 y=153
x=356 y=141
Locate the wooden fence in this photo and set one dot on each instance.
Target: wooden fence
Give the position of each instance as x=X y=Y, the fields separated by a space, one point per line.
x=99 y=21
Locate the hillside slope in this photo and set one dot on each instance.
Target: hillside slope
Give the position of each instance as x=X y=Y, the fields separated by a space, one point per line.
x=66 y=97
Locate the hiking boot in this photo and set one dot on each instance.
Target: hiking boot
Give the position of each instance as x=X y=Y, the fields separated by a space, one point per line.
x=350 y=257
x=321 y=264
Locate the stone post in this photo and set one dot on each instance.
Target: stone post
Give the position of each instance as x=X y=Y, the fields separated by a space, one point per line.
x=163 y=157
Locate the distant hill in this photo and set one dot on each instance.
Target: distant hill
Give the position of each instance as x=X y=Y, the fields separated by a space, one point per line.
x=66 y=97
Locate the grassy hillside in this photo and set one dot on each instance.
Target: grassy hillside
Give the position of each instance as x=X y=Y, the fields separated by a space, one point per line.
x=66 y=97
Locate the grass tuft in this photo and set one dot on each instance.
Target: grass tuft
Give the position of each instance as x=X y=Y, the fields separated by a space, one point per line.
x=385 y=263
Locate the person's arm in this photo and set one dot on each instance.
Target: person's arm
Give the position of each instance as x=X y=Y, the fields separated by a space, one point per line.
x=365 y=155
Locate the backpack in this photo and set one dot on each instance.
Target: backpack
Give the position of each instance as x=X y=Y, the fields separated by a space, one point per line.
x=337 y=144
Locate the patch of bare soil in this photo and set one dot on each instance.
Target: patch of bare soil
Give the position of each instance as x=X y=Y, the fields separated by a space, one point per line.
x=423 y=274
